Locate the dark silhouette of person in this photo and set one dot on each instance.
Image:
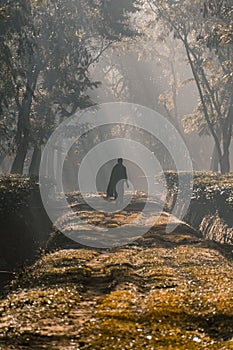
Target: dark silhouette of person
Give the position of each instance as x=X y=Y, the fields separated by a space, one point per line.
x=116 y=183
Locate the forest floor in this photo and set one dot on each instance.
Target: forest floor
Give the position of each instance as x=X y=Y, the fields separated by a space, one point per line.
x=162 y=291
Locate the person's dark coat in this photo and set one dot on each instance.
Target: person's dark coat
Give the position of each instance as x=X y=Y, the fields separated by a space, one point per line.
x=118 y=173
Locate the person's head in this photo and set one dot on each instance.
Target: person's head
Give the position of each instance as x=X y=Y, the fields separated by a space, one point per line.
x=119 y=160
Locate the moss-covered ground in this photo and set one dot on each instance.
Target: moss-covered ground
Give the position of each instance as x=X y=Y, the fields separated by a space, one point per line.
x=164 y=291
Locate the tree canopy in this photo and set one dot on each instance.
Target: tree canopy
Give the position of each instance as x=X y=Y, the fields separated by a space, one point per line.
x=47 y=49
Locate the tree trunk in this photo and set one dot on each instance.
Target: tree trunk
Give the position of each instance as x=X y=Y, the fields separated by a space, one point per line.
x=1 y=163
x=50 y=163
x=226 y=137
x=214 y=160
x=225 y=163
x=35 y=161
x=18 y=163
x=59 y=169
x=2 y=159
x=23 y=126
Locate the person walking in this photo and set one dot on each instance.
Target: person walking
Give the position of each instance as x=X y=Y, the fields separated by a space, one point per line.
x=116 y=183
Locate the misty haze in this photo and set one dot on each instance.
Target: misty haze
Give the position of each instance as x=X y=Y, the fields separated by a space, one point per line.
x=116 y=174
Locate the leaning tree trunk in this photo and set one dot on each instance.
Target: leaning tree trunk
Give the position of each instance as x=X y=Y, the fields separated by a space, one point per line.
x=18 y=163
x=23 y=127
x=1 y=162
x=35 y=161
x=226 y=137
x=225 y=162
x=214 y=160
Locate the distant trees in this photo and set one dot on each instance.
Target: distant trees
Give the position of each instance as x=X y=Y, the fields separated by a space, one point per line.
x=47 y=48
x=205 y=29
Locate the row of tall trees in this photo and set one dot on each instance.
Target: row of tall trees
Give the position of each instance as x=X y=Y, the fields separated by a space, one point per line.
x=204 y=27
x=196 y=34
x=47 y=48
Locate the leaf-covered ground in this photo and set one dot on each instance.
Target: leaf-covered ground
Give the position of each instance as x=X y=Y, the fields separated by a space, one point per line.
x=164 y=291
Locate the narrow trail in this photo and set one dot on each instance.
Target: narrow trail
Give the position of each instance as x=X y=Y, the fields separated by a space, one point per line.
x=99 y=282
x=161 y=291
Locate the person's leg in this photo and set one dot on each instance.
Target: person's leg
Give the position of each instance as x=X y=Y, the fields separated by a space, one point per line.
x=121 y=191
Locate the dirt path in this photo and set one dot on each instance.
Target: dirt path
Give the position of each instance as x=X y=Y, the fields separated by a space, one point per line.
x=163 y=291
